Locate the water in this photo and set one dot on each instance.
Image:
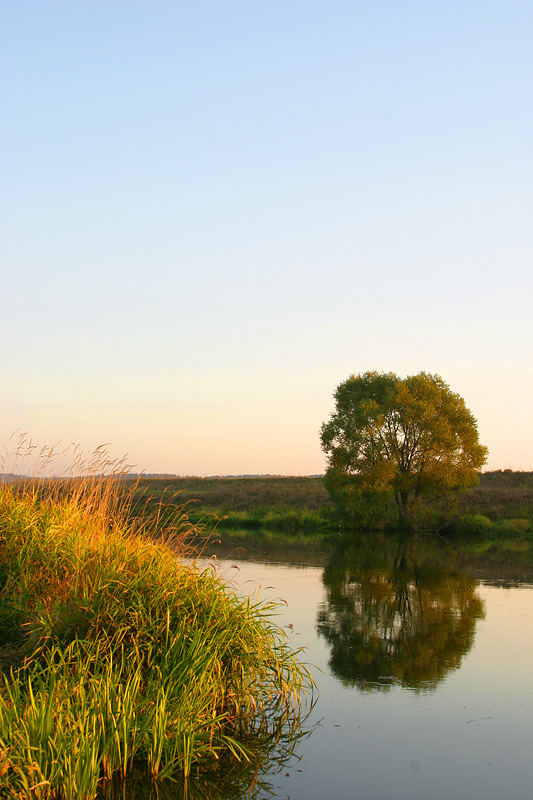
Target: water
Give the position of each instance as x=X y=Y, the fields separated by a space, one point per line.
x=424 y=676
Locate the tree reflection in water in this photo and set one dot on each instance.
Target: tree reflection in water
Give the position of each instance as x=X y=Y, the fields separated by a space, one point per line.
x=398 y=622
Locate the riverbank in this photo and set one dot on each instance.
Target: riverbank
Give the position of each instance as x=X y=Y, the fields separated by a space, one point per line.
x=116 y=656
x=302 y=504
x=492 y=520
x=287 y=505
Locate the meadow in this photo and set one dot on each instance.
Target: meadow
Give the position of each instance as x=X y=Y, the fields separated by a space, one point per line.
x=299 y=509
x=275 y=510
x=119 y=655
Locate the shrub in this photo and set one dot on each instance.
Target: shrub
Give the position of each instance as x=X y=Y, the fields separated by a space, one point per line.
x=512 y=527
x=474 y=525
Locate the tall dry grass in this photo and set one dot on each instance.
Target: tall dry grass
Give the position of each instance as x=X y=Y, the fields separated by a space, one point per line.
x=115 y=654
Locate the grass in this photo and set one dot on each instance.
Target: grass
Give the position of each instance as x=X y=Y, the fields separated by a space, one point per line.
x=301 y=507
x=116 y=656
x=292 y=506
x=295 y=515
x=495 y=518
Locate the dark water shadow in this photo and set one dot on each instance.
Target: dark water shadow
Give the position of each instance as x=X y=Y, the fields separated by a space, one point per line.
x=139 y=786
x=229 y=781
x=273 y=745
x=396 y=616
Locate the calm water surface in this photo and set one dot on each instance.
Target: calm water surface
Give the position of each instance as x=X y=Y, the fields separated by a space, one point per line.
x=425 y=680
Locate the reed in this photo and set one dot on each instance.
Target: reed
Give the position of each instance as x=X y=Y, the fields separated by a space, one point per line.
x=117 y=655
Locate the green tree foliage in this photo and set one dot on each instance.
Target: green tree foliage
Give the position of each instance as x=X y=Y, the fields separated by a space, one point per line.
x=393 y=439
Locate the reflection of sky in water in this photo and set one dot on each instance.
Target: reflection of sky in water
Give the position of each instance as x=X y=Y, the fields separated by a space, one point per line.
x=504 y=641
x=470 y=738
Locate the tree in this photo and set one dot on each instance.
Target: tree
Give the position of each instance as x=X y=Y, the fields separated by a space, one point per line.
x=401 y=439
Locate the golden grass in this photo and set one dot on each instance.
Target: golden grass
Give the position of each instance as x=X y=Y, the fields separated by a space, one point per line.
x=115 y=654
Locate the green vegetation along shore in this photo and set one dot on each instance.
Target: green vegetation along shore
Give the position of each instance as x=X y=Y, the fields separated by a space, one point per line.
x=116 y=656
x=286 y=506
x=497 y=513
x=289 y=503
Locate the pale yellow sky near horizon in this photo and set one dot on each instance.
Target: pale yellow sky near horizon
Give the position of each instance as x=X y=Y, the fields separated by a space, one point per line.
x=280 y=437
x=200 y=244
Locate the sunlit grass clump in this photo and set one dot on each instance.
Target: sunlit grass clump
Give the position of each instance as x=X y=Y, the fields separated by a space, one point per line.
x=115 y=656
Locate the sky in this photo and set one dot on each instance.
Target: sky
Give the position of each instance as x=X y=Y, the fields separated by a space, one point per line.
x=211 y=214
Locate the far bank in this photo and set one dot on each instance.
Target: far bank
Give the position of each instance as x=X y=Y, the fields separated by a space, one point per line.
x=493 y=520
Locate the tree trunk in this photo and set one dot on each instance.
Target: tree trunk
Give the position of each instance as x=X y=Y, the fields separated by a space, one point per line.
x=405 y=526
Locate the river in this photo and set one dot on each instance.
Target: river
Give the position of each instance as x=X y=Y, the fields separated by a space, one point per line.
x=424 y=679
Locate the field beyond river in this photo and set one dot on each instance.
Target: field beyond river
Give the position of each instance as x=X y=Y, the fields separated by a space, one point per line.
x=494 y=518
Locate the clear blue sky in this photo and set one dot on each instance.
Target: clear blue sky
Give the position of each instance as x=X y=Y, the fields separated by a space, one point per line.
x=214 y=212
